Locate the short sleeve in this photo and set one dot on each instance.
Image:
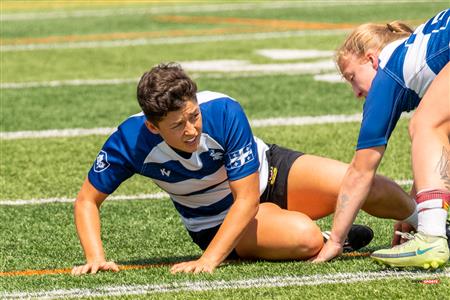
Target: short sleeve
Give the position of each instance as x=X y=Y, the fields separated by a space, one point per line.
x=381 y=111
x=112 y=165
x=241 y=153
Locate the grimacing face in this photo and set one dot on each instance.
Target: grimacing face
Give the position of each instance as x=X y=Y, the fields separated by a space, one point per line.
x=181 y=129
x=360 y=72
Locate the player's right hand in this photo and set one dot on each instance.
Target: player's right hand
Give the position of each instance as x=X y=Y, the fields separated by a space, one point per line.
x=94 y=267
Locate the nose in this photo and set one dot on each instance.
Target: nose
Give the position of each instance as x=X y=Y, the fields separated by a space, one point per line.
x=190 y=129
x=357 y=92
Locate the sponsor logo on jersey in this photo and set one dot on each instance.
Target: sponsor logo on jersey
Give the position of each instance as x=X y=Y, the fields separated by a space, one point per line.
x=240 y=157
x=165 y=172
x=273 y=172
x=101 y=163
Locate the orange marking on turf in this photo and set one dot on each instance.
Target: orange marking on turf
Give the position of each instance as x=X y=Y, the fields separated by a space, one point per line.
x=68 y=271
x=252 y=25
x=272 y=23
x=356 y=254
x=128 y=267
x=125 y=35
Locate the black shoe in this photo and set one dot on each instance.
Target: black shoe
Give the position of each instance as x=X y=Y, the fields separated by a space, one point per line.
x=359 y=236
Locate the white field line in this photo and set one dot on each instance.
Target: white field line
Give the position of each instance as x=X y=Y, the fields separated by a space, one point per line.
x=74 y=132
x=154 y=196
x=200 y=286
x=171 y=40
x=184 y=9
x=256 y=123
x=198 y=69
x=59 y=83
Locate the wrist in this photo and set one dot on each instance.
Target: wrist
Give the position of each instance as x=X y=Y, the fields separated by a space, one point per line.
x=336 y=239
x=95 y=259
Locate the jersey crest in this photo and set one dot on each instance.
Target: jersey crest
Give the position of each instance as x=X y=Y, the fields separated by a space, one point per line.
x=101 y=163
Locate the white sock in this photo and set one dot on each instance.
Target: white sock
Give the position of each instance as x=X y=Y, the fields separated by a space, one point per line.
x=431 y=213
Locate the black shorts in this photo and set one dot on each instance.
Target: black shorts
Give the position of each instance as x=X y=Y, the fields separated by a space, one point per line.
x=280 y=161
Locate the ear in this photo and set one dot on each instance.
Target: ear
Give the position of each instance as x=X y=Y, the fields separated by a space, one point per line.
x=153 y=129
x=373 y=58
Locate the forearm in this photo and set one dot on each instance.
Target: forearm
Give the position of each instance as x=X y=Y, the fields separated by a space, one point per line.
x=87 y=221
x=354 y=191
x=238 y=218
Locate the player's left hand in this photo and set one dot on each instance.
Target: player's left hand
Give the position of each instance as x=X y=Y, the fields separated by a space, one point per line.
x=329 y=251
x=194 y=266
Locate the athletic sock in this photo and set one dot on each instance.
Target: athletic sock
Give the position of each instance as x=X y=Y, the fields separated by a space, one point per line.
x=432 y=208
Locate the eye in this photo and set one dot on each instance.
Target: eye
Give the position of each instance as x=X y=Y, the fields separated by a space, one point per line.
x=178 y=126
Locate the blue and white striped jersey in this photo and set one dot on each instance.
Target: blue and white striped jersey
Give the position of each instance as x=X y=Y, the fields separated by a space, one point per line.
x=198 y=186
x=406 y=69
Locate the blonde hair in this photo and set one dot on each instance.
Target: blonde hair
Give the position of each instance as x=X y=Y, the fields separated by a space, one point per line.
x=370 y=36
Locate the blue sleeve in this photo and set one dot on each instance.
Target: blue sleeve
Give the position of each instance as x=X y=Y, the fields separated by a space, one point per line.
x=112 y=165
x=382 y=109
x=241 y=153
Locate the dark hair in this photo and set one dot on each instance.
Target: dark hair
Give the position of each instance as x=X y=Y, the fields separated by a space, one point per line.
x=163 y=89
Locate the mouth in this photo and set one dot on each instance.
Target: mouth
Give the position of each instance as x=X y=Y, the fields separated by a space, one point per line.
x=192 y=141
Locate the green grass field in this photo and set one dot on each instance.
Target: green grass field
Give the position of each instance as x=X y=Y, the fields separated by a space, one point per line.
x=73 y=65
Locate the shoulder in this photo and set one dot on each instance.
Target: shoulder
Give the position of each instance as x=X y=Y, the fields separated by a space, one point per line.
x=132 y=138
x=217 y=104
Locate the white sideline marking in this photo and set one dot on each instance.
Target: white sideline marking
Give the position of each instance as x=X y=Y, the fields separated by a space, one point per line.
x=245 y=66
x=74 y=132
x=172 y=40
x=225 y=69
x=154 y=196
x=286 y=54
x=58 y=83
x=332 y=78
x=256 y=123
x=180 y=9
x=203 y=285
x=161 y=195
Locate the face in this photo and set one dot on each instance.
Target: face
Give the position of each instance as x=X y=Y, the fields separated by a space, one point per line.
x=360 y=72
x=181 y=129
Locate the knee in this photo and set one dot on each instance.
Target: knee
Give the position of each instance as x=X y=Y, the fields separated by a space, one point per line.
x=308 y=241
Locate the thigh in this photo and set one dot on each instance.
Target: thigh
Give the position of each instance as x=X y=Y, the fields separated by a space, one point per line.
x=313 y=185
x=279 y=234
x=434 y=108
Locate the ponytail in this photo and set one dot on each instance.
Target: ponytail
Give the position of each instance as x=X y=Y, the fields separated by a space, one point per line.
x=371 y=36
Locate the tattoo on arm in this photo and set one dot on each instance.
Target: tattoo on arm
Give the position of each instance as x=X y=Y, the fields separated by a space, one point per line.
x=443 y=167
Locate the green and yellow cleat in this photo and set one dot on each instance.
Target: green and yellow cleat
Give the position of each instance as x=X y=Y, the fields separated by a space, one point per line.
x=421 y=251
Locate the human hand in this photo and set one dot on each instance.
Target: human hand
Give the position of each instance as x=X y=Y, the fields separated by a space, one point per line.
x=194 y=266
x=400 y=226
x=94 y=267
x=329 y=251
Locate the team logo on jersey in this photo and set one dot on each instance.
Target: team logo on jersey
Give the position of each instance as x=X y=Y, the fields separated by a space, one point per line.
x=240 y=157
x=216 y=155
x=101 y=163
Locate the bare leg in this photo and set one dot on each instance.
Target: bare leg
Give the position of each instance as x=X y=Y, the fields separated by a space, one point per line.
x=279 y=234
x=314 y=183
x=429 y=130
